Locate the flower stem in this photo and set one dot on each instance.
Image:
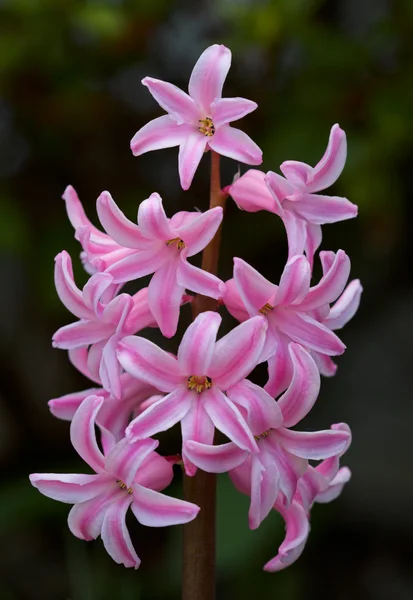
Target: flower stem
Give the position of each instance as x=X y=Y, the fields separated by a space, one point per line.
x=198 y=556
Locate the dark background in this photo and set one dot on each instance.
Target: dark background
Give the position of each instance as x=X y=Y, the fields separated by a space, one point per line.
x=70 y=100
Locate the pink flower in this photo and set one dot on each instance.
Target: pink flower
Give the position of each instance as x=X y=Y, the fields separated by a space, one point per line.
x=103 y=320
x=198 y=121
x=294 y=196
x=160 y=245
x=289 y=309
x=322 y=484
x=283 y=454
x=196 y=380
x=128 y=475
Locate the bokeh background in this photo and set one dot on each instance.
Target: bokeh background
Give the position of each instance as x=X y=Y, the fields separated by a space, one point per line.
x=70 y=100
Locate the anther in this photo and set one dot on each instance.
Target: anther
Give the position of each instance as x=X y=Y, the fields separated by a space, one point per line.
x=199 y=383
x=262 y=435
x=206 y=126
x=123 y=486
x=266 y=309
x=180 y=244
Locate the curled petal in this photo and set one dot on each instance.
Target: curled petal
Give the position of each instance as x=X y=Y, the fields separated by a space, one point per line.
x=279 y=367
x=94 y=289
x=290 y=468
x=251 y=193
x=297 y=530
x=208 y=75
x=189 y=157
x=328 y=170
x=86 y=518
x=140 y=315
x=147 y=362
x=237 y=353
x=294 y=282
x=306 y=331
x=79 y=359
x=139 y=263
x=124 y=460
x=331 y=284
x=314 y=445
x=68 y=292
x=115 y=534
x=119 y=227
x=255 y=291
x=319 y=209
x=265 y=485
x=303 y=390
x=155 y=472
x=215 y=459
x=196 y=425
x=235 y=144
x=297 y=174
x=158 y=510
x=82 y=433
x=296 y=230
x=81 y=333
x=153 y=222
x=325 y=364
x=69 y=488
x=165 y=297
x=198 y=344
x=197 y=280
x=162 y=132
x=262 y=411
x=345 y=307
x=279 y=187
x=66 y=406
x=336 y=486
x=199 y=231
x=312 y=240
x=176 y=102
x=226 y=110
x=233 y=302
x=75 y=211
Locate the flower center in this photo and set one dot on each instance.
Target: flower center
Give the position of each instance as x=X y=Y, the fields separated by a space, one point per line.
x=206 y=126
x=180 y=244
x=266 y=309
x=123 y=486
x=262 y=435
x=199 y=383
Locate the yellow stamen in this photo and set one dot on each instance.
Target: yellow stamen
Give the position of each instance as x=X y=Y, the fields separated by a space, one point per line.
x=206 y=126
x=266 y=309
x=123 y=486
x=179 y=243
x=199 y=383
x=262 y=435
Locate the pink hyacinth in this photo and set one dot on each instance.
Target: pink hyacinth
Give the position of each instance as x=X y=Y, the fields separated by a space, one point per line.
x=196 y=382
x=321 y=484
x=128 y=475
x=103 y=320
x=283 y=454
x=198 y=121
x=294 y=198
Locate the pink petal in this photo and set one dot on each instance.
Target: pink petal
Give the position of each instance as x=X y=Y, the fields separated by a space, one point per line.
x=124 y=460
x=79 y=359
x=197 y=280
x=226 y=110
x=227 y=418
x=176 y=102
x=215 y=459
x=303 y=390
x=290 y=468
x=158 y=510
x=313 y=240
x=251 y=193
x=161 y=415
x=110 y=370
x=139 y=263
x=119 y=227
x=69 y=488
x=325 y=364
x=140 y=316
x=190 y=154
x=94 y=358
x=82 y=433
x=208 y=75
x=94 y=289
x=297 y=530
x=331 y=284
x=233 y=302
x=296 y=230
x=66 y=288
x=197 y=426
x=75 y=211
x=66 y=406
x=199 y=231
x=313 y=444
x=303 y=329
x=336 y=486
x=255 y=291
x=147 y=362
x=319 y=209
x=153 y=222
x=297 y=174
x=198 y=343
x=86 y=518
x=81 y=333
x=165 y=297
x=237 y=353
x=262 y=411
x=115 y=534
x=162 y=132
x=235 y=144
x=294 y=282
x=279 y=367
x=345 y=307
x=155 y=472
x=328 y=170
x=280 y=188
x=265 y=485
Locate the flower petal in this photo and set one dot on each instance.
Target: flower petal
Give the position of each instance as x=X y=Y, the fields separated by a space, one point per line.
x=235 y=144
x=197 y=426
x=336 y=486
x=162 y=132
x=303 y=390
x=265 y=485
x=251 y=193
x=155 y=472
x=312 y=240
x=328 y=170
x=119 y=227
x=297 y=530
x=237 y=353
x=198 y=343
x=306 y=331
x=319 y=209
x=81 y=333
x=176 y=102
x=345 y=307
x=124 y=460
x=227 y=418
x=294 y=282
x=215 y=459
x=331 y=284
x=69 y=488
x=199 y=231
x=82 y=433
x=226 y=110
x=75 y=211
x=79 y=359
x=279 y=188
x=208 y=75
x=290 y=468
x=189 y=157
x=158 y=510
x=115 y=534
x=94 y=289
x=165 y=297
x=138 y=264
x=66 y=406
x=161 y=415
x=153 y=222
x=86 y=518
x=197 y=280
x=255 y=291
x=262 y=411
x=279 y=367
x=147 y=362
x=233 y=302
x=314 y=445
x=296 y=230
x=67 y=290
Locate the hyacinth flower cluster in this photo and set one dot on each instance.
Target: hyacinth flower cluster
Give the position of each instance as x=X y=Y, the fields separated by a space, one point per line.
x=139 y=389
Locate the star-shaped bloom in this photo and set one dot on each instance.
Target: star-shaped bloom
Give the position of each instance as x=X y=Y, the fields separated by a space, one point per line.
x=127 y=475
x=321 y=484
x=103 y=320
x=161 y=246
x=204 y=383
x=283 y=454
x=198 y=121
x=294 y=197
